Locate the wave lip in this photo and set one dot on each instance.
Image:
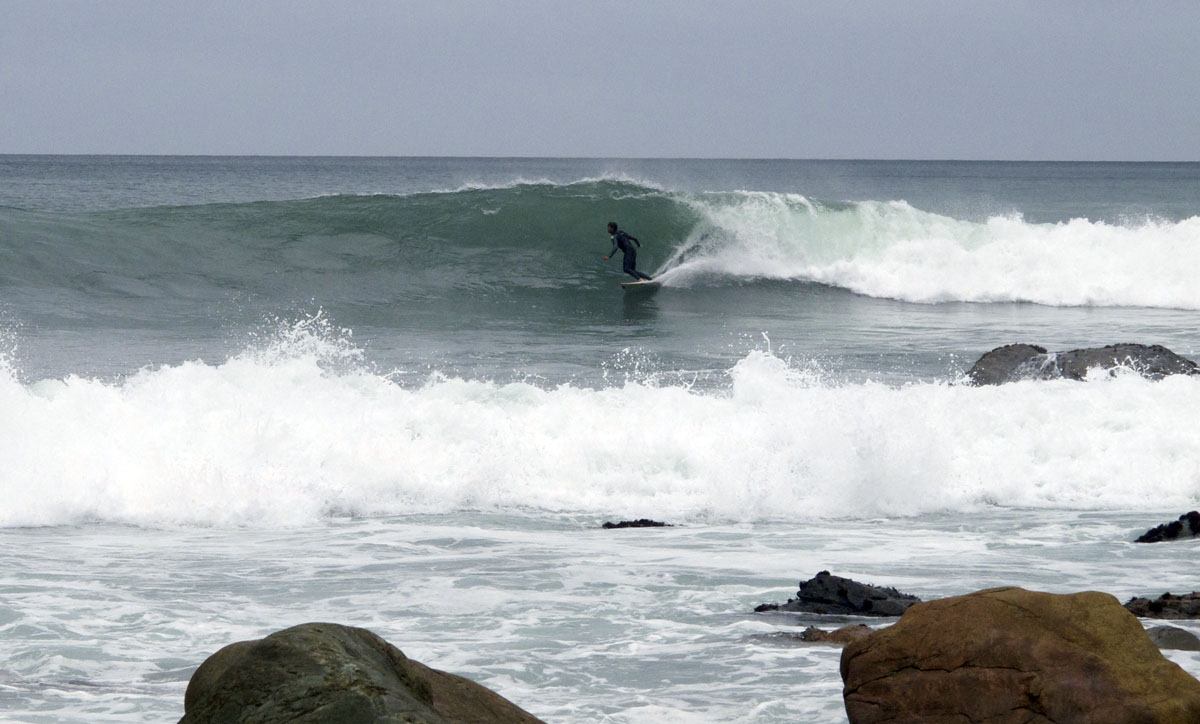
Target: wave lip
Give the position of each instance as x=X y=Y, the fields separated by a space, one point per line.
x=893 y=250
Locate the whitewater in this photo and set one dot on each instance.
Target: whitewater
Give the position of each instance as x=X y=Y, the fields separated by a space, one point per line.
x=238 y=394
x=272 y=438
x=895 y=251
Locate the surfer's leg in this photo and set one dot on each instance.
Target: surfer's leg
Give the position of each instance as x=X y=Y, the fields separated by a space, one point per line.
x=629 y=265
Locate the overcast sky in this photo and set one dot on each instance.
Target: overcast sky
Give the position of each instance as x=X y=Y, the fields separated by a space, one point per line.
x=1011 y=79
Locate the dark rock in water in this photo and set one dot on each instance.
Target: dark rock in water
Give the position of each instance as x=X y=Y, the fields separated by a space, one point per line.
x=1166 y=606
x=1152 y=362
x=1029 y=362
x=1170 y=637
x=1010 y=363
x=1188 y=525
x=1011 y=656
x=324 y=673
x=639 y=523
x=828 y=594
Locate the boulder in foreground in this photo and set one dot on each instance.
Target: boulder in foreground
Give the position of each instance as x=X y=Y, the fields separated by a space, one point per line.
x=318 y=673
x=1009 y=656
x=828 y=594
x=1014 y=362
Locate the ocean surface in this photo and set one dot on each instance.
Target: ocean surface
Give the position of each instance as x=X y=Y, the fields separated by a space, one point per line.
x=238 y=394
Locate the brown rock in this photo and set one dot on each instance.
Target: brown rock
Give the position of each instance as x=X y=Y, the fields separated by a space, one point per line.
x=324 y=673
x=843 y=635
x=1011 y=656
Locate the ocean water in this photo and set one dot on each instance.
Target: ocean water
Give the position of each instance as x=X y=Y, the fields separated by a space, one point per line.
x=238 y=394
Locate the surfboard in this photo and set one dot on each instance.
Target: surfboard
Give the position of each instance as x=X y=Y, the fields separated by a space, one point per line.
x=642 y=284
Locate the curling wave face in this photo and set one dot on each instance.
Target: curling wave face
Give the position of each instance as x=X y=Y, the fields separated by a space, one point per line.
x=530 y=239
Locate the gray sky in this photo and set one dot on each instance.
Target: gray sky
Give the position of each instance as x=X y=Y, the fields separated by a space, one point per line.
x=1012 y=79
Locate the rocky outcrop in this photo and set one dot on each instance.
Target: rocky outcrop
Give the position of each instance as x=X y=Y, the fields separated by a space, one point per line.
x=1009 y=656
x=639 y=523
x=1168 y=606
x=1030 y=362
x=1170 y=637
x=1188 y=526
x=323 y=673
x=829 y=594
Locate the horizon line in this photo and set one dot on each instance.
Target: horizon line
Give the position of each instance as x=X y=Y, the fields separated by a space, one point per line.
x=826 y=159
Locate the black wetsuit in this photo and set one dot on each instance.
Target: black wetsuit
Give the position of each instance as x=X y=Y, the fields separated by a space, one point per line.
x=626 y=244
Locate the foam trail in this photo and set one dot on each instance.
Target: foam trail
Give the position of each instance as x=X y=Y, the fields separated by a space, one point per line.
x=892 y=250
x=284 y=438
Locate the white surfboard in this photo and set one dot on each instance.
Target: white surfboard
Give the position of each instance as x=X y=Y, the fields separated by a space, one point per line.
x=642 y=284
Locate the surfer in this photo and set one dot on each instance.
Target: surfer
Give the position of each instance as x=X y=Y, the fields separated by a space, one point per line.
x=625 y=243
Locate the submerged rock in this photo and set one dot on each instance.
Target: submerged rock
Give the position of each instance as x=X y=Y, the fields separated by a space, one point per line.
x=843 y=635
x=1011 y=656
x=829 y=594
x=1167 y=606
x=1014 y=362
x=324 y=673
x=814 y=635
x=1187 y=526
x=639 y=523
x=1171 y=637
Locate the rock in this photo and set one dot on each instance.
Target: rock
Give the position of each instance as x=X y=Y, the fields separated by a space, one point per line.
x=324 y=673
x=1010 y=363
x=1029 y=362
x=828 y=594
x=1009 y=656
x=814 y=635
x=1170 y=637
x=1152 y=362
x=639 y=523
x=1168 y=606
x=843 y=635
x=1188 y=524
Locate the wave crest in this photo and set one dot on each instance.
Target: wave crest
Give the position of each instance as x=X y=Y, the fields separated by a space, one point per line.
x=893 y=250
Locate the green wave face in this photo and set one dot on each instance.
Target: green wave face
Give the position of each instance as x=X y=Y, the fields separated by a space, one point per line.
x=528 y=242
x=474 y=241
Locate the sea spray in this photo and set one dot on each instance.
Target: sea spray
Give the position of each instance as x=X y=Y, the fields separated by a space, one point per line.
x=893 y=250
x=281 y=438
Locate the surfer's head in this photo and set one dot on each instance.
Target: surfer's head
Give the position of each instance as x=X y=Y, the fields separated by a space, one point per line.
x=612 y=227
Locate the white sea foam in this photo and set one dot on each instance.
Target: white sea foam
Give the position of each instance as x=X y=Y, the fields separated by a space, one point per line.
x=283 y=436
x=522 y=181
x=893 y=250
